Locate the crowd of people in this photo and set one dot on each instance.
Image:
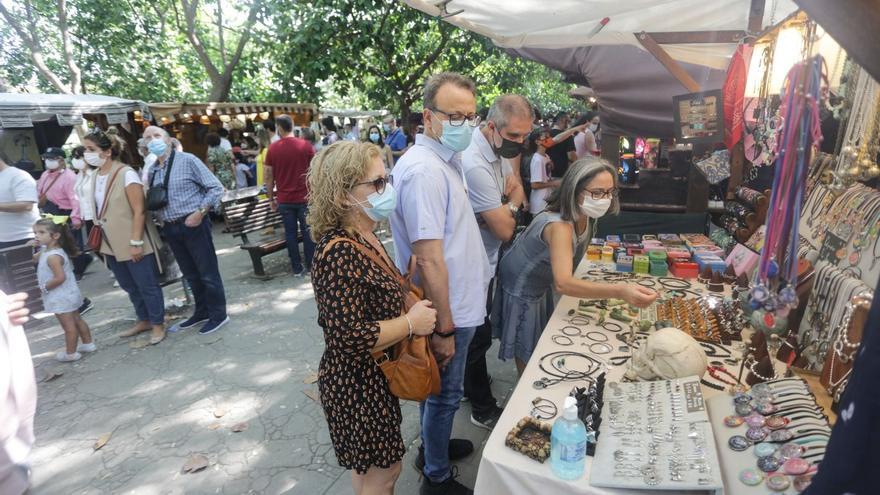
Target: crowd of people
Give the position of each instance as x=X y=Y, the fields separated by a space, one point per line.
x=496 y=209
x=453 y=199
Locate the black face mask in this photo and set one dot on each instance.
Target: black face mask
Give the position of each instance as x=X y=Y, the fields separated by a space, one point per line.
x=508 y=149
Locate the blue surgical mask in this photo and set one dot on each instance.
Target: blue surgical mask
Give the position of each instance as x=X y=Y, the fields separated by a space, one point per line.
x=157 y=146
x=456 y=138
x=386 y=127
x=374 y=137
x=381 y=205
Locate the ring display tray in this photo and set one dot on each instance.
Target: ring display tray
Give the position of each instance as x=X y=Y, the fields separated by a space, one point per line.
x=659 y=438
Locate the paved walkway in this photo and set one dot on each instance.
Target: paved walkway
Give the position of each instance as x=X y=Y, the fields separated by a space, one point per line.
x=162 y=404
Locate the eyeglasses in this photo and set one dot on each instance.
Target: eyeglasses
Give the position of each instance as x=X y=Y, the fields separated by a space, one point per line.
x=600 y=194
x=379 y=183
x=458 y=119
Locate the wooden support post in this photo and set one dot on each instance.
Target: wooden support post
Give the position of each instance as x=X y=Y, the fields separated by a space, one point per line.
x=611 y=149
x=756 y=16
x=670 y=63
x=737 y=168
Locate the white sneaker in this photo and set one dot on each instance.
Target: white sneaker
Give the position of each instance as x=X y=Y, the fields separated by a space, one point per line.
x=66 y=358
x=90 y=347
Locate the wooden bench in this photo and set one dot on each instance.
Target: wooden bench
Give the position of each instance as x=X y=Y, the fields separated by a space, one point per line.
x=245 y=216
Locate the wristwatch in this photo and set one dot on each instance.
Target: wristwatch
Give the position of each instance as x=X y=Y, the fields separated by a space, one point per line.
x=134 y=243
x=513 y=208
x=203 y=211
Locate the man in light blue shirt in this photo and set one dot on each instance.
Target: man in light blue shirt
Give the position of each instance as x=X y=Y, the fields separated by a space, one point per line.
x=434 y=221
x=496 y=197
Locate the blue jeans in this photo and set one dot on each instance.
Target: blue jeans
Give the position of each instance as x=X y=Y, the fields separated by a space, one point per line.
x=193 y=247
x=141 y=281
x=438 y=411
x=293 y=214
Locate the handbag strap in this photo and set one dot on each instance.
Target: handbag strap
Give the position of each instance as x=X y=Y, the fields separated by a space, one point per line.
x=107 y=190
x=45 y=191
x=167 y=173
x=395 y=274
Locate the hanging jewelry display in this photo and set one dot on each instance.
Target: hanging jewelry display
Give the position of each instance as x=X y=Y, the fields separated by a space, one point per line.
x=859 y=145
x=774 y=294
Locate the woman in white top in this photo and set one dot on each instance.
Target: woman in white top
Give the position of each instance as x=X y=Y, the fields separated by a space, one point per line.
x=374 y=135
x=130 y=240
x=539 y=173
x=585 y=143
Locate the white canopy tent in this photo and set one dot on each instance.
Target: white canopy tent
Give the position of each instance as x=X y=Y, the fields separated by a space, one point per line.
x=577 y=23
x=21 y=110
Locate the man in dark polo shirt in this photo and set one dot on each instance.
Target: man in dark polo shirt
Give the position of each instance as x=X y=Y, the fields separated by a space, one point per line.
x=286 y=165
x=563 y=152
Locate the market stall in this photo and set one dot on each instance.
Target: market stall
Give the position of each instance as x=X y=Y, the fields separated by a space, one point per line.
x=785 y=132
x=30 y=123
x=191 y=122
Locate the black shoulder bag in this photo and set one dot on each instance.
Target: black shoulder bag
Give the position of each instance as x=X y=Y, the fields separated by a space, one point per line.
x=157 y=195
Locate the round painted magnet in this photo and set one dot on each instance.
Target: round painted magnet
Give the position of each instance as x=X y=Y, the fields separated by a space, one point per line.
x=791 y=451
x=768 y=464
x=754 y=420
x=739 y=443
x=775 y=422
x=742 y=399
x=778 y=482
x=782 y=435
x=766 y=408
x=733 y=421
x=761 y=389
x=764 y=449
x=756 y=434
x=743 y=409
x=796 y=466
x=751 y=476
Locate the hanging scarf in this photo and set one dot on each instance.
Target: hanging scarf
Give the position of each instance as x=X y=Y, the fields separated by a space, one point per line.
x=734 y=94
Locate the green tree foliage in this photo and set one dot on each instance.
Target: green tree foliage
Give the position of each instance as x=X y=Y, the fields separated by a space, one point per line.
x=337 y=53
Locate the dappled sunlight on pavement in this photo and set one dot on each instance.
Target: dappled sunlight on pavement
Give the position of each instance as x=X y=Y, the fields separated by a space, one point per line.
x=162 y=404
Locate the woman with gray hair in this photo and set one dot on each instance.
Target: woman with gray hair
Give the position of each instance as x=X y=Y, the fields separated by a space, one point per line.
x=543 y=258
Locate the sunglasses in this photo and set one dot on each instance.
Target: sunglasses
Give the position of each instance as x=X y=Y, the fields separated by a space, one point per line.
x=379 y=184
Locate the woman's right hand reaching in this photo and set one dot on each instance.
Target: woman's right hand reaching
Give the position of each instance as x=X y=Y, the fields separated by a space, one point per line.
x=422 y=317
x=639 y=296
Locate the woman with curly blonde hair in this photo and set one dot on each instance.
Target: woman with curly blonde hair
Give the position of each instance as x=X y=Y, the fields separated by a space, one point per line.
x=359 y=308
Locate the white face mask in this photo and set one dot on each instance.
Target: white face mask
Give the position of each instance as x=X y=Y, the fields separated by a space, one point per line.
x=595 y=208
x=93 y=158
x=593 y=127
x=52 y=164
x=78 y=163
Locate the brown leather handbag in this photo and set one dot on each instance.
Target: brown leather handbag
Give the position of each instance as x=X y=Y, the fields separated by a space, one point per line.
x=409 y=365
x=96 y=235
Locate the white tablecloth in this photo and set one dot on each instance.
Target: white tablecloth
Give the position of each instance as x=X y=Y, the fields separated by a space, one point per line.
x=504 y=471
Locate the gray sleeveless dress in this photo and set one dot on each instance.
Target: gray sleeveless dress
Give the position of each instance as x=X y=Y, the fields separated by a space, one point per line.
x=524 y=297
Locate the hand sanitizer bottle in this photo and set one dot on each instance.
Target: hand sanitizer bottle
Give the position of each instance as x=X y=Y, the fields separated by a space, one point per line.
x=568 y=443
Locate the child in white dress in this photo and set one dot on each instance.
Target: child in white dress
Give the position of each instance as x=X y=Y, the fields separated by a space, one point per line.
x=60 y=293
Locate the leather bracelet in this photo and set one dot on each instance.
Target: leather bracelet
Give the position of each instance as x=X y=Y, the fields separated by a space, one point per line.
x=445 y=335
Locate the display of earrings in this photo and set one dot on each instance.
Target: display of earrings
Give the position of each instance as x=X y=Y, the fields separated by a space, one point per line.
x=656 y=435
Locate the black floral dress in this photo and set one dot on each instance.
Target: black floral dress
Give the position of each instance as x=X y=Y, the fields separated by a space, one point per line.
x=353 y=294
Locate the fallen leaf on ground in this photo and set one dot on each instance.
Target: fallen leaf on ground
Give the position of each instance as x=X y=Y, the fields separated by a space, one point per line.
x=240 y=427
x=312 y=378
x=195 y=463
x=102 y=440
x=214 y=426
x=219 y=412
x=313 y=394
x=138 y=344
x=50 y=374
